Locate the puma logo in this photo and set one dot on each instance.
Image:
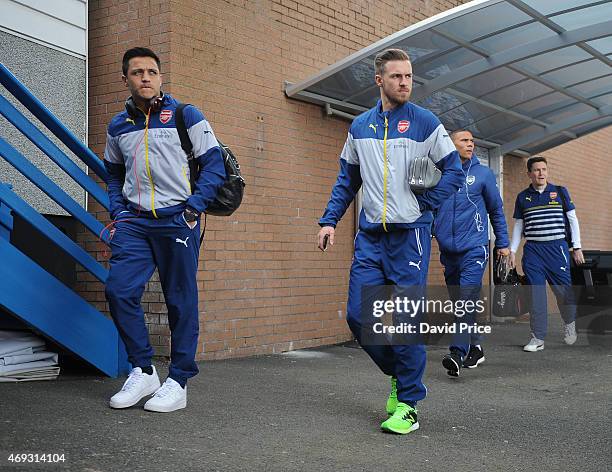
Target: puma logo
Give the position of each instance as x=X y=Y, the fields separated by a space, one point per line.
x=415 y=264
x=480 y=263
x=129 y=120
x=178 y=240
x=528 y=199
x=373 y=127
x=563 y=268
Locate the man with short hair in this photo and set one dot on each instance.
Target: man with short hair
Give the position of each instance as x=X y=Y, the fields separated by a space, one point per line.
x=392 y=246
x=156 y=225
x=544 y=213
x=462 y=230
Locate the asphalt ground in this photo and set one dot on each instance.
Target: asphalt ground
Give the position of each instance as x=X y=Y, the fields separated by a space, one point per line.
x=321 y=409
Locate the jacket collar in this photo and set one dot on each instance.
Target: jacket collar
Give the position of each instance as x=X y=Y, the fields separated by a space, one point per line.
x=473 y=161
x=389 y=113
x=134 y=112
x=549 y=188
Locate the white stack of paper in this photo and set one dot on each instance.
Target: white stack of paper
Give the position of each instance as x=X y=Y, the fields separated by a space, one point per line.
x=23 y=357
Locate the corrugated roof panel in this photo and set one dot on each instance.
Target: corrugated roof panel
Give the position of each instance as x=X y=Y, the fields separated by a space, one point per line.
x=520 y=73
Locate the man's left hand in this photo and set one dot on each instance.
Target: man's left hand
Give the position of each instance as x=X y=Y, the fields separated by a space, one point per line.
x=578 y=256
x=503 y=252
x=190 y=217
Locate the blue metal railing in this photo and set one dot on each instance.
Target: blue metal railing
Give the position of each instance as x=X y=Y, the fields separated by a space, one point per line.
x=6 y=219
x=50 y=231
x=30 y=293
x=44 y=183
x=53 y=124
x=16 y=118
x=32 y=173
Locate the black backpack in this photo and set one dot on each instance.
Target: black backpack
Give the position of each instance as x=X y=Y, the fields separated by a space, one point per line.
x=229 y=196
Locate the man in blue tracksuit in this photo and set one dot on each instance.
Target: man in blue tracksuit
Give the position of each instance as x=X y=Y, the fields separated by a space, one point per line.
x=156 y=225
x=392 y=246
x=545 y=214
x=462 y=230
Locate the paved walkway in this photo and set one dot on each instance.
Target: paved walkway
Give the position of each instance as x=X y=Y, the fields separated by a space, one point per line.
x=320 y=410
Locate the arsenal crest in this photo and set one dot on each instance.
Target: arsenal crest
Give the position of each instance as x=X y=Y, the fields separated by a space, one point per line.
x=470 y=179
x=403 y=125
x=165 y=116
x=553 y=195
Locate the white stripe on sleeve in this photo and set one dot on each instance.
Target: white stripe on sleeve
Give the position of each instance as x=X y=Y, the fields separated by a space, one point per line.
x=575 y=228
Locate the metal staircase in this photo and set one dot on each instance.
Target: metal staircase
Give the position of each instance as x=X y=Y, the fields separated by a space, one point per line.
x=27 y=291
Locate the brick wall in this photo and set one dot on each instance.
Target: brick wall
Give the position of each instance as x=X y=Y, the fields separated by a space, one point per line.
x=264 y=287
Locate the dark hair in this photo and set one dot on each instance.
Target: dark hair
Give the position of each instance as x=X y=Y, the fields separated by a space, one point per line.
x=388 y=55
x=460 y=130
x=137 y=52
x=532 y=160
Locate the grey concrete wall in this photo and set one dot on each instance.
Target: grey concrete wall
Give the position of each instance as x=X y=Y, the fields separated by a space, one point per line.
x=59 y=81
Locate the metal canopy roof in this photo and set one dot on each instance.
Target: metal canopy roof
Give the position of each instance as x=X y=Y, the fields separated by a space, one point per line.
x=524 y=75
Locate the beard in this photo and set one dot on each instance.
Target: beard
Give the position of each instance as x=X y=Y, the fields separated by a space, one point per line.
x=396 y=98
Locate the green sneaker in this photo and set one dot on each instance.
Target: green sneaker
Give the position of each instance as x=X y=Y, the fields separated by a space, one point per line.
x=403 y=421
x=392 y=400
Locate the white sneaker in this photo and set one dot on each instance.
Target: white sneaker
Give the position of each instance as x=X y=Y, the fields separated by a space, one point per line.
x=534 y=345
x=137 y=386
x=169 y=397
x=570 y=335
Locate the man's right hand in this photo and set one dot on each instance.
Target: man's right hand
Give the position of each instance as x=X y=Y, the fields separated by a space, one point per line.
x=327 y=232
x=512 y=261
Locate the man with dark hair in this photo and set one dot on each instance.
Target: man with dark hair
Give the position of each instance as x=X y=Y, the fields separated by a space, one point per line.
x=544 y=213
x=392 y=246
x=462 y=230
x=138 y=52
x=156 y=225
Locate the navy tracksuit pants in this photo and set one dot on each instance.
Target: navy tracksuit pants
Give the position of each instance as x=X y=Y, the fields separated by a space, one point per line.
x=139 y=245
x=548 y=261
x=463 y=273
x=395 y=258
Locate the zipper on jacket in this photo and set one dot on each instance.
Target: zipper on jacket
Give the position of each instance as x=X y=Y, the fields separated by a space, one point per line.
x=186 y=179
x=453 y=225
x=146 y=146
x=385 y=173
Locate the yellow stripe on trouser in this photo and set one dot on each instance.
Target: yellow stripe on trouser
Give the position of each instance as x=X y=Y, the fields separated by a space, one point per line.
x=146 y=145
x=385 y=172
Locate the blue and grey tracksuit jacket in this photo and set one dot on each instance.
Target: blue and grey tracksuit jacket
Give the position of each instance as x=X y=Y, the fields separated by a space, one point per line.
x=148 y=169
x=462 y=222
x=377 y=154
x=394 y=242
x=149 y=177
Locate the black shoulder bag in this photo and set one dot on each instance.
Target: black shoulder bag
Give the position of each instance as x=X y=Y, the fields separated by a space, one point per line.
x=229 y=196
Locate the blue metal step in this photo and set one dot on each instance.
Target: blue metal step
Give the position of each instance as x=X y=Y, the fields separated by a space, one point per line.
x=40 y=300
